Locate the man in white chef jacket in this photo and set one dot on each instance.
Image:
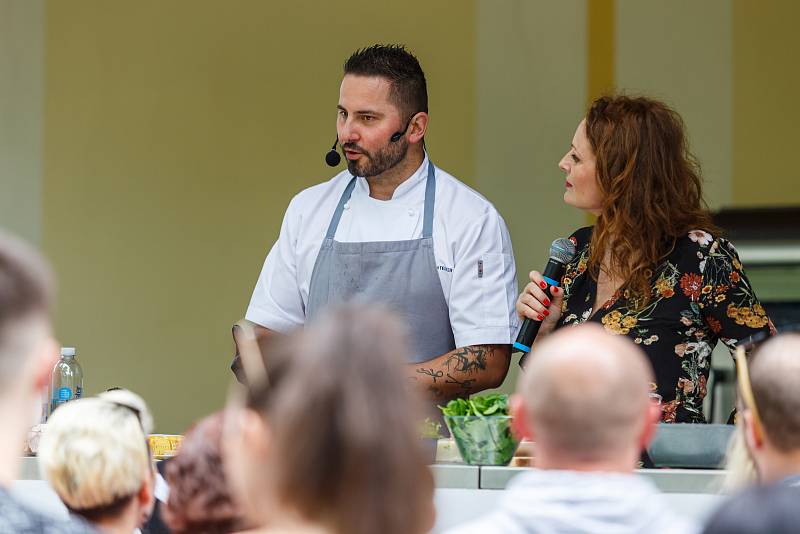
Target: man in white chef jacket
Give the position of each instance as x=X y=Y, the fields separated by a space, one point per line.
x=396 y=230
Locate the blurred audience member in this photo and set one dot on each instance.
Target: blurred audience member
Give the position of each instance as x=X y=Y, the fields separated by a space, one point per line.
x=583 y=399
x=126 y=397
x=760 y=510
x=740 y=471
x=331 y=444
x=199 y=500
x=770 y=409
x=27 y=355
x=94 y=454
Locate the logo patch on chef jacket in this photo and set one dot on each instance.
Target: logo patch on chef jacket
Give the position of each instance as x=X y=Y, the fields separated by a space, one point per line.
x=480 y=268
x=445 y=269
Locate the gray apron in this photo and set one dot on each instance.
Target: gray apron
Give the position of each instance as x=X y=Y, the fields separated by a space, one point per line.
x=401 y=275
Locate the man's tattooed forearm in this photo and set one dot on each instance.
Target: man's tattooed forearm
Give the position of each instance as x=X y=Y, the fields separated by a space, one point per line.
x=466 y=385
x=468 y=359
x=431 y=372
x=435 y=392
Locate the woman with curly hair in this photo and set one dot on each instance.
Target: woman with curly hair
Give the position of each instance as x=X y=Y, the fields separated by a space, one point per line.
x=653 y=267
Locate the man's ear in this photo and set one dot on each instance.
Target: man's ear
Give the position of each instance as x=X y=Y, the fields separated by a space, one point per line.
x=753 y=434
x=652 y=418
x=146 y=496
x=255 y=432
x=418 y=127
x=47 y=354
x=519 y=422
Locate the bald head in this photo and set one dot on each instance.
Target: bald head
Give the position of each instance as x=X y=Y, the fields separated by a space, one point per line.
x=586 y=392
x=774 y=376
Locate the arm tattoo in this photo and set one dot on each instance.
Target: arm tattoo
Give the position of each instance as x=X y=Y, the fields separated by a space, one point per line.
x=468 y=359
x=431 y=372
x=466 y=385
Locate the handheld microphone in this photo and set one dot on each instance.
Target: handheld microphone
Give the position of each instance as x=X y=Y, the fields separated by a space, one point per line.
x=332 y=158
x=561 y=252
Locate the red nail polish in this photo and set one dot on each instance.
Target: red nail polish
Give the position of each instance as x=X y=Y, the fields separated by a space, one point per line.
x=547 y=302
x=541 y=318
x=542 y=285
x=546 y=312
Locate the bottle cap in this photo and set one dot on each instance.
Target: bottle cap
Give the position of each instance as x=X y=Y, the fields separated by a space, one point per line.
x=68 y=351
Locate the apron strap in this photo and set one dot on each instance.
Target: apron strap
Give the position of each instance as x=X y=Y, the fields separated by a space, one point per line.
x=430 y=198
x=337 y=215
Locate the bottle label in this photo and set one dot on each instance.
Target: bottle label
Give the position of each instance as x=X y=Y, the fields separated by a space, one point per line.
x=64 y=394
x=78 y=392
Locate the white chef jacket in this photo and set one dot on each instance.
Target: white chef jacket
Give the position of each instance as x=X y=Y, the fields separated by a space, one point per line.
x=471 y=246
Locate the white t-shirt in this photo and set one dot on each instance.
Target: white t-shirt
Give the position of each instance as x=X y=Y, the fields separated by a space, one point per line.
x=468 y=236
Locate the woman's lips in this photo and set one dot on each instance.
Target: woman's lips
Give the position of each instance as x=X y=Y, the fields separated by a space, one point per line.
x=568 y=184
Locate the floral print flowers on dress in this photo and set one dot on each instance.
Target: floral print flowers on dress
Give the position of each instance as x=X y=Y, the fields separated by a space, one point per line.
x=692 y=285
x=700 y=295
x=701 y=237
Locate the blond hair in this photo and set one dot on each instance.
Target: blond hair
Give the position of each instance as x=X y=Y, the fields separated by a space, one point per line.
x=94 y=454
x=740 y=471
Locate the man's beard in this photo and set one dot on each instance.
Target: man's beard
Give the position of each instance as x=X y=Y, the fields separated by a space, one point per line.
x=377 y=163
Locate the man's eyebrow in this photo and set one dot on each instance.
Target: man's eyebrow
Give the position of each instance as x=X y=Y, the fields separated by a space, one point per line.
x=362 y=111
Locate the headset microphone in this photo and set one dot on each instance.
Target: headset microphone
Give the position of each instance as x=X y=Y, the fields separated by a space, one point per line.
x=397 y=135
x=333 y=158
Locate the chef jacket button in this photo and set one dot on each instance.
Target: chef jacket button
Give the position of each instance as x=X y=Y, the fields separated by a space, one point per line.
x=411 y=212
x=347 y=205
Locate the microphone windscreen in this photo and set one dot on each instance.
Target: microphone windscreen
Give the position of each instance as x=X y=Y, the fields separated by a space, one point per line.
x=333 y=158
x=562 y=250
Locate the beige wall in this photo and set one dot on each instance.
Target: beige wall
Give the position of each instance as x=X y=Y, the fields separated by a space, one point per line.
x=531 y=91
x=21 y=101
x=766 y=115
x=176 y=134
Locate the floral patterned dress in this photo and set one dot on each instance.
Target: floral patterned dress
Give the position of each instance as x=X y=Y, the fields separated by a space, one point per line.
x=700 y=295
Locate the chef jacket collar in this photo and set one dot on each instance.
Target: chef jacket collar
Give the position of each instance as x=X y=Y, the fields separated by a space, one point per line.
x=404 y=189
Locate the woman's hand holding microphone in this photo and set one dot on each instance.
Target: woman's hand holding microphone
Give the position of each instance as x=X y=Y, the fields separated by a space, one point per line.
x=534 y=304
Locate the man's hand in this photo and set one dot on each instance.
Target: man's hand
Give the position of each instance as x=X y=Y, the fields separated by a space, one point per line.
x=263 y=336
x=462 y=372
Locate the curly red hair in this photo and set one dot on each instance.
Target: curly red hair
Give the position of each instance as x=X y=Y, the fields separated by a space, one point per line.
x=651 y=185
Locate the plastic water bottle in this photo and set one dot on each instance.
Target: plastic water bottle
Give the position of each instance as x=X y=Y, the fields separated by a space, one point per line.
x=66 y=383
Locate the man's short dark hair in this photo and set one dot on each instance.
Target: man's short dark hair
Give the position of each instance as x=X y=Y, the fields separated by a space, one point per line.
x=25 y=292
x=409 y=91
